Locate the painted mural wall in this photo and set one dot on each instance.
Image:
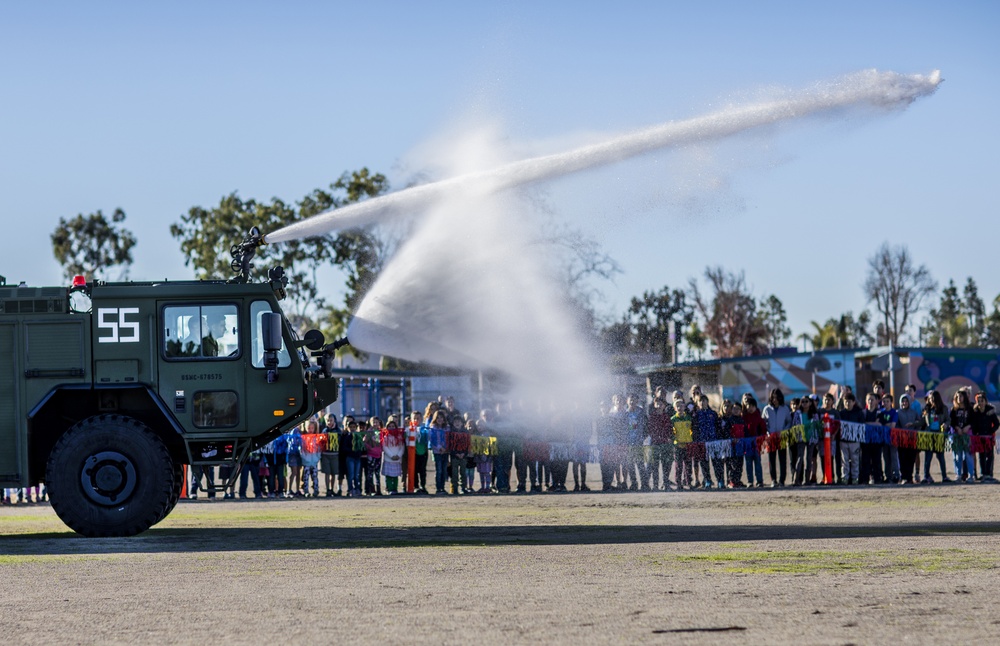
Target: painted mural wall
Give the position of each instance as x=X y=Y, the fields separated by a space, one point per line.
x=947 y=370
x=795 y=375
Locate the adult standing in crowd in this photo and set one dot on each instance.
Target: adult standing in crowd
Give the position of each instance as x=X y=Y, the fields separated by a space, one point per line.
x=778 y=418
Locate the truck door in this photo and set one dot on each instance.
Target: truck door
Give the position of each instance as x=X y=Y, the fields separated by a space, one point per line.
x=202 y=374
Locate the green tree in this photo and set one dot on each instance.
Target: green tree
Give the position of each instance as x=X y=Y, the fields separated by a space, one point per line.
x=948 y=325
x=93 y=245
x=616 y=338
x=828 y=335
x=993 y=325
x=206 y=236
x=649 y=318
x=695 y=340
x=975 y=314
x=843 y=331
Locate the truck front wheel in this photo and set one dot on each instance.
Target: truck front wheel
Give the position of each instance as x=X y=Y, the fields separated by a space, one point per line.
x=110 y=475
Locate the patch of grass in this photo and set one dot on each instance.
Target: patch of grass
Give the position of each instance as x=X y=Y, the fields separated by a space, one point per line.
x=745 y=561
x=28 y=559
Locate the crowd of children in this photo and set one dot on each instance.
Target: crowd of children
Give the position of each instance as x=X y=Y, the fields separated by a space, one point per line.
x=661 y=446
x=638 y=448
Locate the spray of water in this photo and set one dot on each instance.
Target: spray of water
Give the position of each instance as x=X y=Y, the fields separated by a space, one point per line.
x=885 y=91
x=472 y=287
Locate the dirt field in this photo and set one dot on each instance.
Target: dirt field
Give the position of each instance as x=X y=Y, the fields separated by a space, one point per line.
x=804 y=566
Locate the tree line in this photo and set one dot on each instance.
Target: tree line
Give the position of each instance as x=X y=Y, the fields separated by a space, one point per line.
x=738 y=323
x=724 y=319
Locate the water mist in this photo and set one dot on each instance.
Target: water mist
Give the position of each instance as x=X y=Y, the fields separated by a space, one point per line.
x=472 y=287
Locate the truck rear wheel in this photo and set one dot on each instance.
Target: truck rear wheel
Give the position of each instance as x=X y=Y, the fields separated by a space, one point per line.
x=110 y=475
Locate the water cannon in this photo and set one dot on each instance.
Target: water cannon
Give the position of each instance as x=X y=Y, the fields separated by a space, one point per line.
x=243 y=254
x=327 y=354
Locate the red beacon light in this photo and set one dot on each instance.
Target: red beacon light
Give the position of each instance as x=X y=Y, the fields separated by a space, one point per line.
x=79 y=281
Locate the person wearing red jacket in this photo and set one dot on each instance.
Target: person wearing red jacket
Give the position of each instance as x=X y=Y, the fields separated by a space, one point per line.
x=753 y=426
x=661 y=436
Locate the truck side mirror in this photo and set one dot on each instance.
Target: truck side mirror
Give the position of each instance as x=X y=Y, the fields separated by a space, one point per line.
x=270 y=330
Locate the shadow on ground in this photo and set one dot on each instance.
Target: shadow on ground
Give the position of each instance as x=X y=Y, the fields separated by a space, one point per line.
x=175 y=540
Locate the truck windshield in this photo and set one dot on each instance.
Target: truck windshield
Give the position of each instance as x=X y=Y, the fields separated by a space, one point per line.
x=257 y=310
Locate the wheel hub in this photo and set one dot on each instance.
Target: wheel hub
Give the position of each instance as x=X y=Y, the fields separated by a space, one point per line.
x=108 y=478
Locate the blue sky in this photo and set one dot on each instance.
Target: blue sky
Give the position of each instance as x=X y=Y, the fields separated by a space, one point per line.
x=157 y=108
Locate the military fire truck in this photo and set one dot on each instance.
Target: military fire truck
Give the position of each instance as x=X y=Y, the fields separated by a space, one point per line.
x=108 y=389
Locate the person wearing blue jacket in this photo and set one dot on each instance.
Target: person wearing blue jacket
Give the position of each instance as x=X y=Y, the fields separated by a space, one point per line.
x=279 y=451
x=705 y=424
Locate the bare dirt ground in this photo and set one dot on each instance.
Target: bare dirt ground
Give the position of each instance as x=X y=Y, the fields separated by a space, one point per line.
x=805 y=566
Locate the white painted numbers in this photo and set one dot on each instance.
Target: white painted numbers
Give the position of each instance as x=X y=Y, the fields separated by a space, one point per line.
x=115 y=320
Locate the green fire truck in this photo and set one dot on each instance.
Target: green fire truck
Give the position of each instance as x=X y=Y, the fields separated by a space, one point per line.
x=108 y=389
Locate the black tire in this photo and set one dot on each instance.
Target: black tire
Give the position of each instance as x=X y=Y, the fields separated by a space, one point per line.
x=110 y=475
x=175 y=493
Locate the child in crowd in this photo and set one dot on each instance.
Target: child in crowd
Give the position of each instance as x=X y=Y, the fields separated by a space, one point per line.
x=582 y=433
x=887 y=416
x=616 y=419
x=294 y=439
x=682 y=439
x=484 y=462
x=830 y=408
x=345 y=441
x=871 y=454
x=731 y=428
x=393 y=449
x=470 y=460
x=604 y=430
x=705 y=423
x=805 y=453
x=373 y=458
x=778 y=417
x=960 y=425
x=635 y=434
x=907 y=418
x=312 y=449
x=422 y=426
x=439 y=447
x=853 y=413
x=936 y=420
x=985 y=423
x=661 y=437
x=330 y=459
x=459 y=484
x=353 y=453
x=753 y=426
